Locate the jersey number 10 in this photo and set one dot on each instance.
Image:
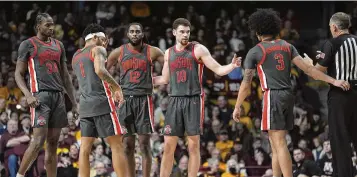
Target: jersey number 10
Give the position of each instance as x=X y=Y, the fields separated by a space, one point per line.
x=181 y=76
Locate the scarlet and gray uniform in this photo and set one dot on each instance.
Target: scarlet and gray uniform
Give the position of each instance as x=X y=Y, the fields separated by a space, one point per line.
x=97 y=109
x=185 y=111
x=273 y=60
x=137 y=112
x=44 y=62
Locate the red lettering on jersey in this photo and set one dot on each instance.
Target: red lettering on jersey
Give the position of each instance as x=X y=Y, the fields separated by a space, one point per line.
x=49 y=55
x=134 y=63
x=181 y=62
x=277 y=48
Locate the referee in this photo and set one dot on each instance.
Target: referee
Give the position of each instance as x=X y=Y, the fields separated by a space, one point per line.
x=339 y=58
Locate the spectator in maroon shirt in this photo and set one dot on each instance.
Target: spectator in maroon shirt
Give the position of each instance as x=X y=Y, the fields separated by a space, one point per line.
x=13 y=144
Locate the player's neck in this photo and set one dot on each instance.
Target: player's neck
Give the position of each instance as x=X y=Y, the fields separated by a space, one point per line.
x=180 y=47
x=137 y=47
x=88 y=44
x=267 y=38
x=43 y=38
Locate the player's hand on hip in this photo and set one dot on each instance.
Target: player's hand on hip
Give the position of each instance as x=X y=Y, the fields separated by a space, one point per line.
x=32 y=101
x=236 y=61
x=118 y=97
x=236 y=114
x=307 y=60
x=342 y=84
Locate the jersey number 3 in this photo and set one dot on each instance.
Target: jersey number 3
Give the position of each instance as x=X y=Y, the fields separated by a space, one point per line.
x=280 y=58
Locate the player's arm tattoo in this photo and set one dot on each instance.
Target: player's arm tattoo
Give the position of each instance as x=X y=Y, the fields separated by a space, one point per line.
x=100 y=55
x=248 y=75
x=21 y=68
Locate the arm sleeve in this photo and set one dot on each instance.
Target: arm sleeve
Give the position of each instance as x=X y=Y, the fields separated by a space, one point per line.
x=294 y=52
x=250 y=60
x=24 y=51
x=326 y=57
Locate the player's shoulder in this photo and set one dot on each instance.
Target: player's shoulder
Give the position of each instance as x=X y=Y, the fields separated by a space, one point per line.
x=27 y=41
x=256 y=49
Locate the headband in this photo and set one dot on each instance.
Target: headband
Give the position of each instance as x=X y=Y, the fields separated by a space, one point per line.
x=91 y=35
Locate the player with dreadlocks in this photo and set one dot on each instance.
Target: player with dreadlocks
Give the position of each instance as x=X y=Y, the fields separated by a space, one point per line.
x=135 y=63
x=45 y=60
x=97 y=109
x=272 y=58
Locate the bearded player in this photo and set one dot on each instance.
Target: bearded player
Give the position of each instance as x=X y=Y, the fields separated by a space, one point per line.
x=136 y=114
x=183 y=69
x=273 y=58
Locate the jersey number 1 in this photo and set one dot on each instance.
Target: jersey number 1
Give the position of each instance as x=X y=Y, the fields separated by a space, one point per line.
x=81 y=67
x=280 y=58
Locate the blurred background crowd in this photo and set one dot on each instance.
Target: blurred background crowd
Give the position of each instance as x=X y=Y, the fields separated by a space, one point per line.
x=228 y=149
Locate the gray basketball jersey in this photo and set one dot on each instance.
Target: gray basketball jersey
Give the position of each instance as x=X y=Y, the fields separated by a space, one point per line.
x=185 y=72
x=96 y=96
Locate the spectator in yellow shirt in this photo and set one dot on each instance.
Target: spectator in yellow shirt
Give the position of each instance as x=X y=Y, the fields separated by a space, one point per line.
x=233 y=170
x=11 y=93
x=224 y=145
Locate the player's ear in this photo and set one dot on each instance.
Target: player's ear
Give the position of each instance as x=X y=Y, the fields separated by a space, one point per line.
x=174 y=32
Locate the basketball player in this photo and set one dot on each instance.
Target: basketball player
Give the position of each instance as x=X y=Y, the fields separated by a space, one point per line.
x=136 y=114
x=272 y=58
x=97 y=109
x=45 y=59
x=183 y=68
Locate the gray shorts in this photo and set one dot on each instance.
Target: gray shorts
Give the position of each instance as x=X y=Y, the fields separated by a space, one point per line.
x=184 y=115
x=278 y=106
x=51 y=112
x=101 y=126
x=136 y=114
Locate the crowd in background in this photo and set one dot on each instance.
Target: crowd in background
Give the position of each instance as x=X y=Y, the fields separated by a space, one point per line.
x=227 y=148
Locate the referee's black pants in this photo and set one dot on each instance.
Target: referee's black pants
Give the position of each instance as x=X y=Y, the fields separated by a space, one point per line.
x=342 y=121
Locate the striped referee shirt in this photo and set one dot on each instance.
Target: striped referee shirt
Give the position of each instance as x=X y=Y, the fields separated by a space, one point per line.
x=339 y=55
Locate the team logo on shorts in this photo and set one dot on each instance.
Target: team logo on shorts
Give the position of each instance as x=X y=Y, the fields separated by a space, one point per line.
x=124 y=130
x=41 y=121
x=167 y=129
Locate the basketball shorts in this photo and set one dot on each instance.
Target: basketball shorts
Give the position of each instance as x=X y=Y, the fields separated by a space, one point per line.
x=51 y=112
x=278 y=106
x=101 y=126
x=184 y=116
x=136 y=114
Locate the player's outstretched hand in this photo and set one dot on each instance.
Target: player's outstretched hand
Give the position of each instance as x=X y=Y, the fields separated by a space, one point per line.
x=32 y=101
x=118 y=97
x=236 y=114
x=236 y=61
x=342 y=84
x=307 y=60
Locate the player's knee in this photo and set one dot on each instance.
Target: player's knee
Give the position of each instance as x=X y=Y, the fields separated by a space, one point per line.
x=169 y=147
x=193 y=146
x=145 y=149
x=37 y=144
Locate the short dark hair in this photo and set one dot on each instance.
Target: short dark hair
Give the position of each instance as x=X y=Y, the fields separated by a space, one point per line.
x=265 y=22
x=92 y=28
x=181 y=21
x=341 y=20
x=135 y=23
x=39 y=18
